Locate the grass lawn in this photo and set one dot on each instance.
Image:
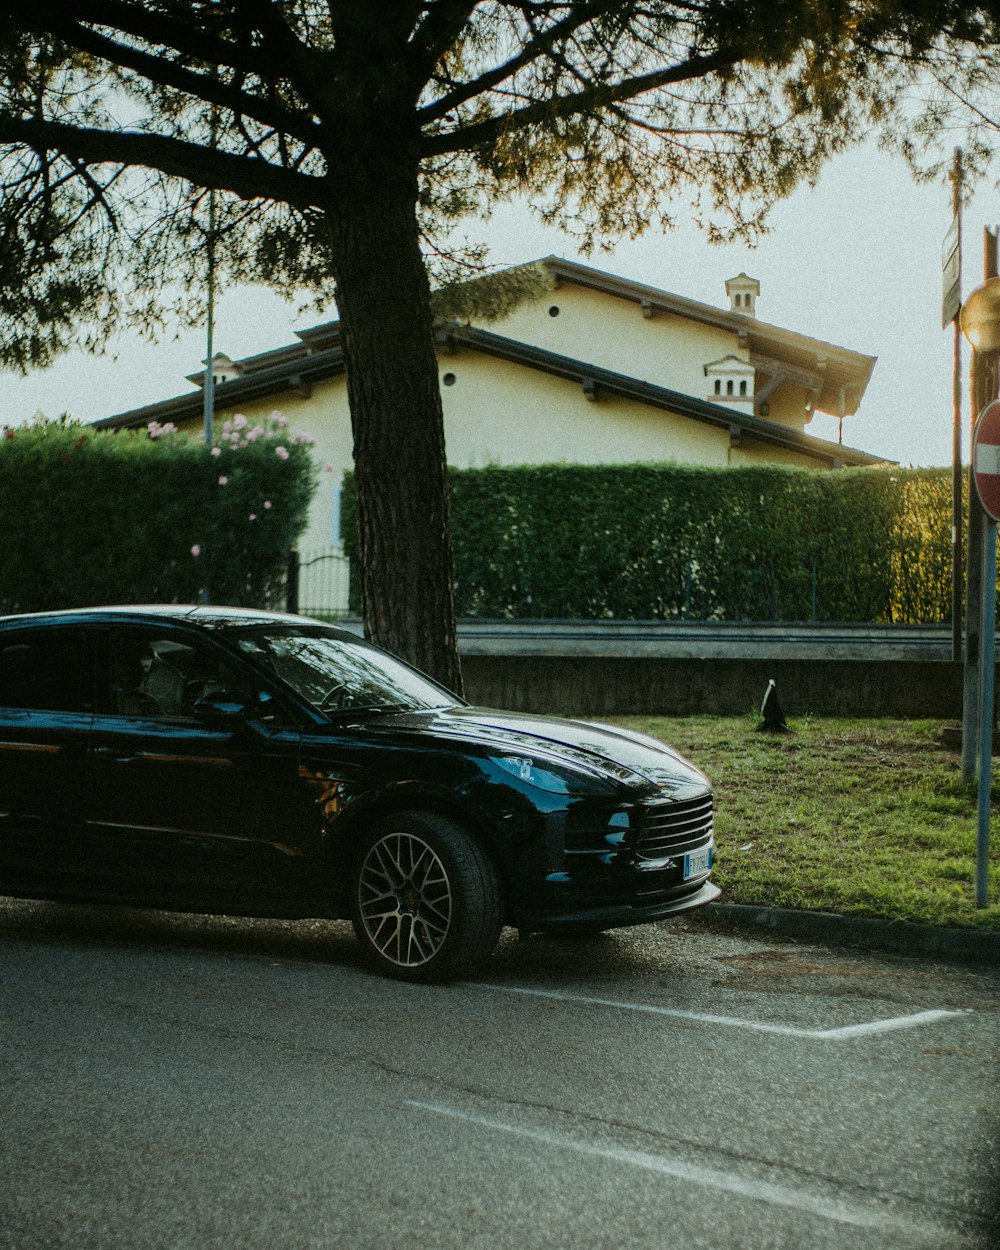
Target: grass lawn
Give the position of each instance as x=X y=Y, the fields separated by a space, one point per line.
x=862 y=817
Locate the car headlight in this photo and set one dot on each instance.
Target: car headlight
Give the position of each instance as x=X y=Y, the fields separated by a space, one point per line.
x=555 y=778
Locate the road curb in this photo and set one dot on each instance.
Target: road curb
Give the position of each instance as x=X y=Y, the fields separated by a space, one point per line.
x=894 y=935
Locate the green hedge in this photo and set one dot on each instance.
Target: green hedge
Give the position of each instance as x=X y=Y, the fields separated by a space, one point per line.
x=756 y=543
x=92 y=517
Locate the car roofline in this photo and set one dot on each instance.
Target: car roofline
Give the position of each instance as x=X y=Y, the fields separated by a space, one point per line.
x=179 y=612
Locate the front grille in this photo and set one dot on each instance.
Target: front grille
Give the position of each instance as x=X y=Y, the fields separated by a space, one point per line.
x=670 y=829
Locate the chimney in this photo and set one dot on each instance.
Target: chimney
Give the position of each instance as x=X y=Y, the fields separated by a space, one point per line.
x=743 y=292
x=223 y=369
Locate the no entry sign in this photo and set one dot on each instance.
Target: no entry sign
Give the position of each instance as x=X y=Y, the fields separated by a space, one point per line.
x=986 y=458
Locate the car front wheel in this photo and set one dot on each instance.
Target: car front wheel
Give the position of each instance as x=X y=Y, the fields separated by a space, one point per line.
x=426 y=900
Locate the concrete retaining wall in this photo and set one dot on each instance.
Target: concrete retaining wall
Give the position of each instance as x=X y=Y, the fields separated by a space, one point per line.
x=597 y=685
x=604 y=668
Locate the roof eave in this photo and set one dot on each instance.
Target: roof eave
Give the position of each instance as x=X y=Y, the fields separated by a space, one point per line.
x=847 y=368
x=302 y=371
x=659 y=397
x=310 y=368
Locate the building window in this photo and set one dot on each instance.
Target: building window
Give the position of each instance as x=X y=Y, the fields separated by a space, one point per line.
x=554 y=310
x=743 y=387
x=729 y=387
x=718 y=386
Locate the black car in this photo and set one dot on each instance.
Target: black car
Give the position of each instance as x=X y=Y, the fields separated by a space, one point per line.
x=250 y=763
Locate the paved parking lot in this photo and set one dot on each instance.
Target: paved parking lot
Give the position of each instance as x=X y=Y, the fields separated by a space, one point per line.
x=178 y=1082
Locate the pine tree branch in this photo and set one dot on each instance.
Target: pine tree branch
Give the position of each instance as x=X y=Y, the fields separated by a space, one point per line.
x=163 y=71
x=198 y=86
x=539 y=46
x=246 y=177
x=192 y=38
x=590 y=99
x=438 y=32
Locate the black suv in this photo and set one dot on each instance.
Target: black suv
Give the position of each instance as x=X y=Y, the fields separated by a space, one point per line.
x=250 y=763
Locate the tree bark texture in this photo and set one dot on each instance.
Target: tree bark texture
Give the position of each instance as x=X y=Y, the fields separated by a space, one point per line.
x=397 y=422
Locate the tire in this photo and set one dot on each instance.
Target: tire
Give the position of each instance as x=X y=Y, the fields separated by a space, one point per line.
x=425 y=899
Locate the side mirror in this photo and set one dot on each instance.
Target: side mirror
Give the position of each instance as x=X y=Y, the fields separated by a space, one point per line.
x=223 y=710
x=227 y=710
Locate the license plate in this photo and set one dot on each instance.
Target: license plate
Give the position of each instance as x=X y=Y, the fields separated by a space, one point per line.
x=697 y=863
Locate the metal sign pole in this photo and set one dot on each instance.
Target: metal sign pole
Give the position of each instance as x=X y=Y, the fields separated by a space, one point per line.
x=986 y=477
x=980 y=322
x=986 y=681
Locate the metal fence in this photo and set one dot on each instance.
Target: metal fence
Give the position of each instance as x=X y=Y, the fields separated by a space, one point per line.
x=319 y=583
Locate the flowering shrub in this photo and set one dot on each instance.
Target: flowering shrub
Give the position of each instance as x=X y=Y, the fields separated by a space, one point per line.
x=263 y=478
x=156 y=430
x=100 y=516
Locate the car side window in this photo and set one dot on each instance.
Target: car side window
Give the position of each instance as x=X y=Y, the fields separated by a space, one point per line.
x=162 y=675
x=43 y=670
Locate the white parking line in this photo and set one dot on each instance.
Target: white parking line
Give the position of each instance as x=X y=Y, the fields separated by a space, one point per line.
x=811 y=1202
x=735 y=1022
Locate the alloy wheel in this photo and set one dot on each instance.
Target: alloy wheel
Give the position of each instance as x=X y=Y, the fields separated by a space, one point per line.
x=404 y=899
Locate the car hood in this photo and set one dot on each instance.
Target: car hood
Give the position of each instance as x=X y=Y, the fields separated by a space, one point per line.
x=625 y=756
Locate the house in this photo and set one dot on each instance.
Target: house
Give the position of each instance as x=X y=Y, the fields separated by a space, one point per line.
x=600 y=369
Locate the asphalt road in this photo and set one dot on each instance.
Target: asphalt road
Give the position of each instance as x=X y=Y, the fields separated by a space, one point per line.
x=180 y=1082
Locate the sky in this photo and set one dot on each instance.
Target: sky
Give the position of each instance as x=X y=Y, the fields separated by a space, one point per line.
x=855 y=261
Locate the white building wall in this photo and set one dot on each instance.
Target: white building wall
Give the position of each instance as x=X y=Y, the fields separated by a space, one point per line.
x=664 y=349
x=497 y=413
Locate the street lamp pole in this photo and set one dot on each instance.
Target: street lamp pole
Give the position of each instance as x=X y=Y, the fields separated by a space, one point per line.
x=951 y=307
x=208 y=381
x=208 y=388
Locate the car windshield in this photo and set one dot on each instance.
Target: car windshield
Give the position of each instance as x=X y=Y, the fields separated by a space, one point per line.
x=340 y=675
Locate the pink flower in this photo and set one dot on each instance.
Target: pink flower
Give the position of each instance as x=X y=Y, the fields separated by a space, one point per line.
x=196 y=550
x=156 y=430
x=216 y=451
x=240 y=422
x=281 y=453
x=252 y=516
x=267 y=503
x=223 y=481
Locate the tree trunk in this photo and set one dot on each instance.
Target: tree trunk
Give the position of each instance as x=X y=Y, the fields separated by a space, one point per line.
x=397 y=420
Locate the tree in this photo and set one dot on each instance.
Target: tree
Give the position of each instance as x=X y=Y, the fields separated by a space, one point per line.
x=347 y=137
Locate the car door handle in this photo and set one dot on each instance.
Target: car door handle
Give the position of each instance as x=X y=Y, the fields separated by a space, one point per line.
x=110 y=753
